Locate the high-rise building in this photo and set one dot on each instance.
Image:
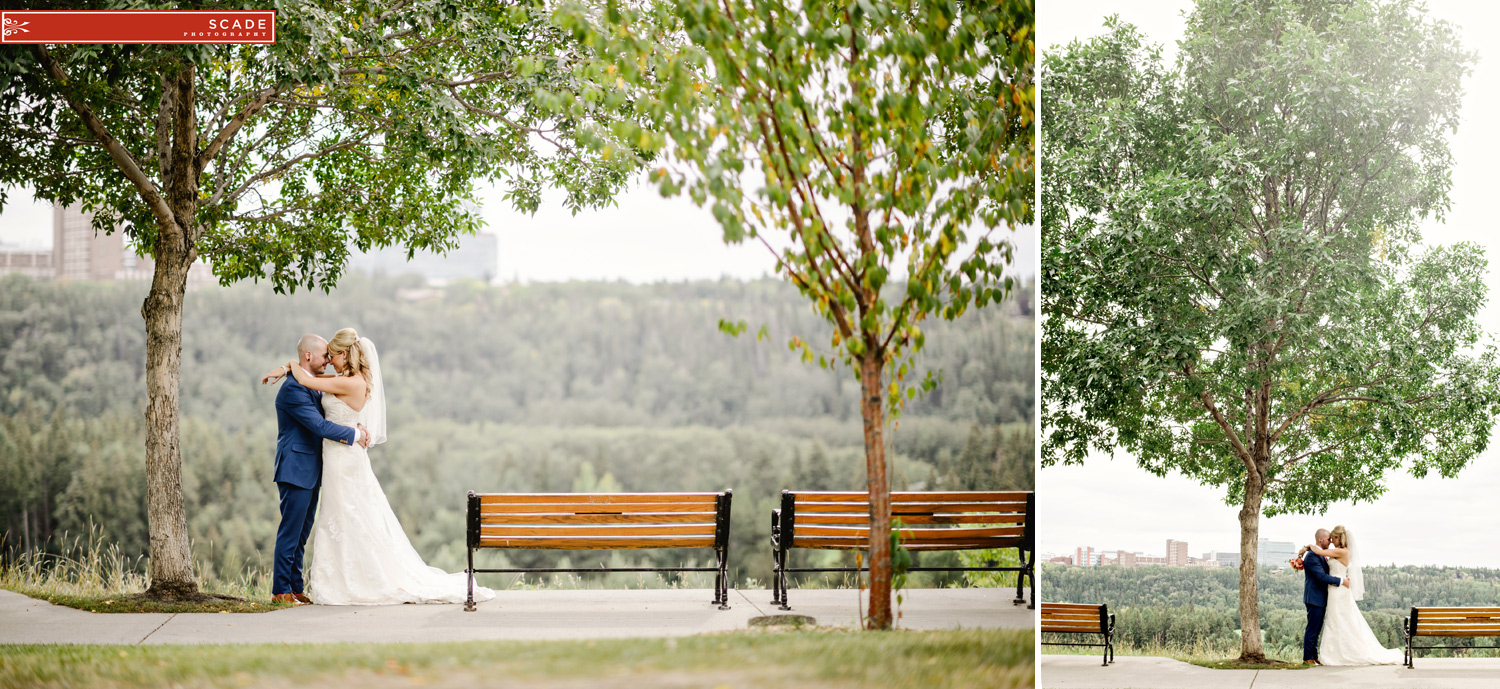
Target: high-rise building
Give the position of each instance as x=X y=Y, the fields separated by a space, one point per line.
x=1125 y=558
x=79 y=254
x=1177 y=553
x=1274 y=553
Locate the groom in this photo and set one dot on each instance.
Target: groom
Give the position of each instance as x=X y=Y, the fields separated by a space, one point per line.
x=1315 y=595
x=300 y=430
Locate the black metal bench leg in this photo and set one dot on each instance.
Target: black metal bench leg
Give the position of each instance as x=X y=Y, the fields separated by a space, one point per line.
x=724 y=580
x=1031 y=575
x=781 y=577
x=469 y=604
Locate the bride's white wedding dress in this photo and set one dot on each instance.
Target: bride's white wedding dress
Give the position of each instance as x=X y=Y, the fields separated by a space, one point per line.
x=360 y=554
x=1347 y=638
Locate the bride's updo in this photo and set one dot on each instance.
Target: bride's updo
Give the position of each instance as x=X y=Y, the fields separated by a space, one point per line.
x=1339 y=536
x=347 y=341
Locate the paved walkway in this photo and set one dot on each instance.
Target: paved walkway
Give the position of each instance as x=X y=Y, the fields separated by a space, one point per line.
x=1146 y=672
x=552 y=614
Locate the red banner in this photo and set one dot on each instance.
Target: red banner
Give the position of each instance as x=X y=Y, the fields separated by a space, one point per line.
x=138 y=26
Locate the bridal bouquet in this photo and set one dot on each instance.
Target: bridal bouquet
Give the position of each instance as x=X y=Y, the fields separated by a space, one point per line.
x=1296 y=563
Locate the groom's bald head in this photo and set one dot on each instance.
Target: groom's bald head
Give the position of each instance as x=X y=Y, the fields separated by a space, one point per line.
x=312 y=351
x=1322 y=537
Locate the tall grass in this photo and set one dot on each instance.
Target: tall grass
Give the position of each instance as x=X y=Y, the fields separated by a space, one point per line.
x=84 y=566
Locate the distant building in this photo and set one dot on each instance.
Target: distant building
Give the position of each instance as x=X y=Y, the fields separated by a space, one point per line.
x=1125 y=558
x=34 y=262
x=79 y=254
x=1062 y=560
x=1226 y=559
x=1084 y=556
x=1275 y=553
x=477 y=257
x=1204 y=562
x=1177 y=553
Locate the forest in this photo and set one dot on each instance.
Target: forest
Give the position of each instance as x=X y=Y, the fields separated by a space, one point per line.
x=1194 y=611
x=581 y=386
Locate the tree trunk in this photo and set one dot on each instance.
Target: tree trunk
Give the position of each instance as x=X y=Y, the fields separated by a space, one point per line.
x=871 y=407
x=1251 y=650
x=171 y=556
x=171 y=551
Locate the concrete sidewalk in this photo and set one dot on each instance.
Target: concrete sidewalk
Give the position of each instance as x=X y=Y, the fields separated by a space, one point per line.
x=1146 y=672
x=521 y=615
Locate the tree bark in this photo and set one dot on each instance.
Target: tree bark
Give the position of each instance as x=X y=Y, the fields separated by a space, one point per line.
x=171 y=551
x=872 y=410
x=1251 y=650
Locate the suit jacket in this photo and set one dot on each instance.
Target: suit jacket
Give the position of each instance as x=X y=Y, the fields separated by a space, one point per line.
x=1315 y=588
x=300 y=430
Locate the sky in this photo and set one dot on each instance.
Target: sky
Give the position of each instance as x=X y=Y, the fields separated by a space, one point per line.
x=1431 y=521
x=643 y=238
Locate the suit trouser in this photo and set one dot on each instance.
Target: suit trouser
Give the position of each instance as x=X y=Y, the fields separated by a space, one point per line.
x=298 y=505
x=1314 y=630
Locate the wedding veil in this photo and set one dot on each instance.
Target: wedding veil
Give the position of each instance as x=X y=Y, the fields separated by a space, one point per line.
x=1356 y=575
x=373 y=413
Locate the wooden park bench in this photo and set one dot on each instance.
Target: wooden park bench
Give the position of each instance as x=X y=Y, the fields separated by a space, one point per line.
x=1448 y=622
x=601 y=521
x=949 y=520
x=1072 y=618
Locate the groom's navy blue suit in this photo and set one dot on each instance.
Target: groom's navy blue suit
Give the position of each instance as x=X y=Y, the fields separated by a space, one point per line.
x=300 y=430
x=1315 y=596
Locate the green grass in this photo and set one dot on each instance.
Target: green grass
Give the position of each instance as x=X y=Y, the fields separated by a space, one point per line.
x=801 y=658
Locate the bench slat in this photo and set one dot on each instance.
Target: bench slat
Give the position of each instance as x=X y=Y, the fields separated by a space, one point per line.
x=914 y=496
x=633 y=518
x=1486 y=631
x=911 y=534
x=1070 y=629
x=611 y=530
x=603 y=508
x=1480 y=610
x=594 y=498
x=912 y=519
x=594 y=542
x=827 y=543
x=1072 y=615
x=898 y=509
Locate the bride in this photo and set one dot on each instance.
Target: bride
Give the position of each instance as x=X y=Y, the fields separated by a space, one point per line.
x=1346 y=638
x=361 y=555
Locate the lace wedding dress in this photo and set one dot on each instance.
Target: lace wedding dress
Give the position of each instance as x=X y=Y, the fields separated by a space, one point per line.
x=361 y=555
x=1346 y=638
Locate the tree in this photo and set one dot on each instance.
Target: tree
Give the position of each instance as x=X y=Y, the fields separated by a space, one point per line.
x=1233 y=281
x=365 y=124
x=884 y=143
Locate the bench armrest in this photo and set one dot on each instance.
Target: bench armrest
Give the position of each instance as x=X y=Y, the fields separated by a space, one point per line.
x=1111 y=622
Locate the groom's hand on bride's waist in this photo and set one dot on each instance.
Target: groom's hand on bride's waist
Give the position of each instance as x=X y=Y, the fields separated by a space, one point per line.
x=363 y=435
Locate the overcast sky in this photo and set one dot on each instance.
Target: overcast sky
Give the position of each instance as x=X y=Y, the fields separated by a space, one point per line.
x=644 y=238
x=1428 y=521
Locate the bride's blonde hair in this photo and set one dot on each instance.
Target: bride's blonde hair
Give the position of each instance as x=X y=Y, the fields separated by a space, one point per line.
x=1339 y=536
x=347 y=340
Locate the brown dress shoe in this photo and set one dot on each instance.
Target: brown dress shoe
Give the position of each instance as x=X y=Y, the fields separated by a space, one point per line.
x=284 y=598
x=302 y=598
